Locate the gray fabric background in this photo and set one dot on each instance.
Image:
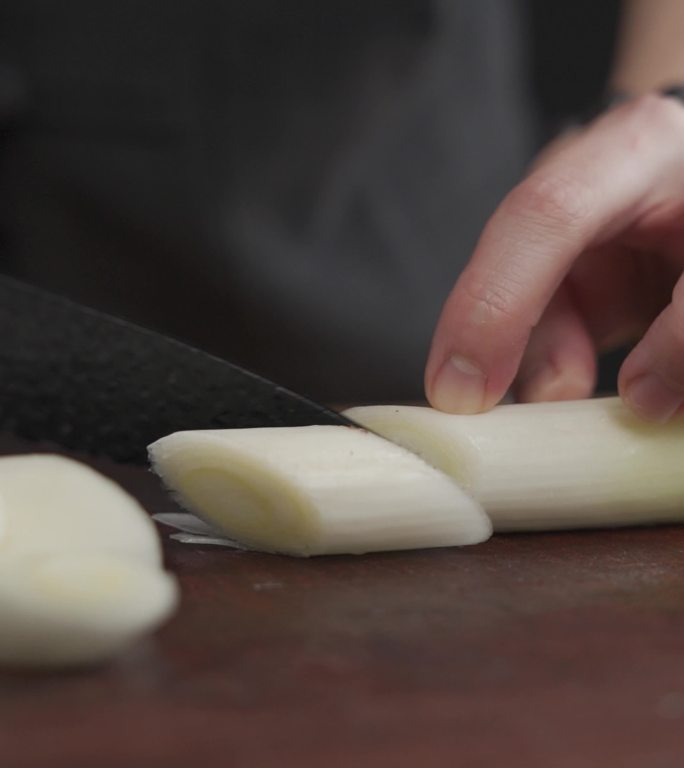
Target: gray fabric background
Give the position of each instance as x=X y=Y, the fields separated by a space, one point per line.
x=292 y=185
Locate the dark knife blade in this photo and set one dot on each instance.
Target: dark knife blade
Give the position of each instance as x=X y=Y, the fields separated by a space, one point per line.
x=91 y=382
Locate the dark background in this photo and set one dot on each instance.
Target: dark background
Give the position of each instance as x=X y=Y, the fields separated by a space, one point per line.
x=568 y=78
x=569 y=47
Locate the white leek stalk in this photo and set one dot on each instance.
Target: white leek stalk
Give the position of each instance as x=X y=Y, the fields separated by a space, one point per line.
x=540 y=466
x=316 y=490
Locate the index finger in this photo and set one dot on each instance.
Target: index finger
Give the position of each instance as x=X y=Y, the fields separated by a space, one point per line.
x=589 y=191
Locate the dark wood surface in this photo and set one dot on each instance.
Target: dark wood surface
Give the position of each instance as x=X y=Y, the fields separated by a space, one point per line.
x=557 y=651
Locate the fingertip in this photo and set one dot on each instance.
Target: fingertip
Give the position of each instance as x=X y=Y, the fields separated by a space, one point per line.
x=458 y=387
x=650 y=398
x=472 y=363
x=651 y=379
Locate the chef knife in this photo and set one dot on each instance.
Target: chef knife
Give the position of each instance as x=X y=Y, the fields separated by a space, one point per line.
x=84 y=380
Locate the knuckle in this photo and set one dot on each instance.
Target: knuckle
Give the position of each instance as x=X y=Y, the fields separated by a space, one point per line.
x=491 y=302
x=550 y=200
x=646 y=107
x=647 y=117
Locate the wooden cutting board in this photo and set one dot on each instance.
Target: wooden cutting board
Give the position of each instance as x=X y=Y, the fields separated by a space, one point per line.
x=555 y=651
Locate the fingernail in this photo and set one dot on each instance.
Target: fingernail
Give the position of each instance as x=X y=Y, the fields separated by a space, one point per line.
x=459 y=387
x=652 y=399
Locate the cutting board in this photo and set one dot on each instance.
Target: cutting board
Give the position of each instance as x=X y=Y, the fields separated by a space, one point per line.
x=554 y=651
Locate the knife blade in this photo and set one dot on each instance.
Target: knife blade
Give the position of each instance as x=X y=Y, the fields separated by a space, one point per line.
x=88 y=381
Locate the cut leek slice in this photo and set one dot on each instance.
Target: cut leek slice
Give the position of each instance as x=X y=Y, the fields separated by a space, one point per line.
x=316 y=490
x=542 y=466
x=78 y=608
x=50 y=503
x=80 y=565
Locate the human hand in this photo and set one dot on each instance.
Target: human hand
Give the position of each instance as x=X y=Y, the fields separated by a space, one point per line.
x=582 y=256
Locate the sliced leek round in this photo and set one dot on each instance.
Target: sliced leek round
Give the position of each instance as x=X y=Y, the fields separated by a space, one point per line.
x=316 y=490
x=49 y=503
x=540 y=466
x=80 y=565
x=78 y=608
